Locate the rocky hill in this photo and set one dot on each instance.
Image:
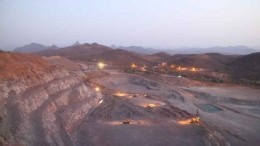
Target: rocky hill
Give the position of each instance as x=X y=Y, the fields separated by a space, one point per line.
x=95 y=52
x=117 y=57
x=211 y=61
x=76 y=51
x=245 y=67
x=34 y=47
x=158 y=57
x=238 y=67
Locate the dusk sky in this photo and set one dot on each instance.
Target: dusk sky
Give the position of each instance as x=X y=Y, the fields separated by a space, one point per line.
x=149 y=23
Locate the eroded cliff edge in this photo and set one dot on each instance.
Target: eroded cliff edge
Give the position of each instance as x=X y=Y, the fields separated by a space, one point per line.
x=40 y=104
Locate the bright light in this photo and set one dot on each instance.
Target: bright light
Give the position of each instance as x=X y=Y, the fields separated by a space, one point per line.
x=185 y=122
x=101 y=65
x=179 y=76
x=97 y=89
x=133 y=65
x=151 y=105
x=164 y=63
x=190 y=121
x=100 y=101
x=120 y=94
x=193 y=69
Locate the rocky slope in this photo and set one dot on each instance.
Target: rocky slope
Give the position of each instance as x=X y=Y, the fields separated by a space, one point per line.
x=40 y=104
x=246 y=67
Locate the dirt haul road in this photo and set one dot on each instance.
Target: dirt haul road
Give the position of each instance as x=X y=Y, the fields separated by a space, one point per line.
x=126 y=96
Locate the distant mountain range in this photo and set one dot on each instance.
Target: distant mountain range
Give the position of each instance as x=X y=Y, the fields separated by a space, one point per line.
x=230 y=50
x=239 y=50
x=34 y=47
x=76 y=51
x=137 y=49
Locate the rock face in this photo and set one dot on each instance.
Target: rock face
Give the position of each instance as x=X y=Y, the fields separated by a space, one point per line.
x=43 y=108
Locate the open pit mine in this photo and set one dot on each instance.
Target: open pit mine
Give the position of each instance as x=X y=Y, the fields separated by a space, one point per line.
x=55 y=101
